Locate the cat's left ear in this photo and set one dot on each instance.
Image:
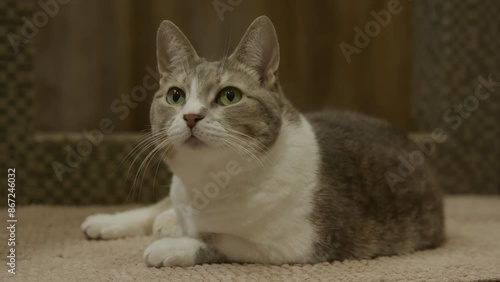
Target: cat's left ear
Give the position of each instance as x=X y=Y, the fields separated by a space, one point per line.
x=172 y=48
x=259 y=49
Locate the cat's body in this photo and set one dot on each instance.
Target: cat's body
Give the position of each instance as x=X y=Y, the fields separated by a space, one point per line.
x=256 y=181
x=383 y=219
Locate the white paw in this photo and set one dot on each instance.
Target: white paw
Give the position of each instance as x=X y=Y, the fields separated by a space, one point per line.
x=112 y=226
x=165 y=225
x=172 y=252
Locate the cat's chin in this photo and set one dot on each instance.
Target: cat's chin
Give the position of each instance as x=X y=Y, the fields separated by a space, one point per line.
x=194 y=143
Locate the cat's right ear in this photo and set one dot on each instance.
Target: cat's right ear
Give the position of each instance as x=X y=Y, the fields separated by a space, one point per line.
x=172 y=48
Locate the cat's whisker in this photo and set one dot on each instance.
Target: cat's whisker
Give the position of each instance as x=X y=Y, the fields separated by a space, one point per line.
x=161 y=146
x=147 y=144
x=222 y=65
x=141 y=173
x=167 y=148
x=225 y=147
x=146 y=139
x=146 y=161
x=225 y=53
x=234 y=148
x=249 y=151
x=133 y=188
x=228 y=42
x=254 y=144
x=263 y=147
x=138 y=175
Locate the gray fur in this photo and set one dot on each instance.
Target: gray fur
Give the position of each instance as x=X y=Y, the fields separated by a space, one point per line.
x=209 y=254
x=357 y=214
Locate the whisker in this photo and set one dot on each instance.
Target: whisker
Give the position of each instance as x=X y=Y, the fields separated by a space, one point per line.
x=148 y=144
x=142 y=147
x=249 y=151
x=226 y=52
x=232 y=147
x=146 y=162
x=253 y=140
x=141 y=143
x=254 y=144
x=159 y=149
x=158 y=166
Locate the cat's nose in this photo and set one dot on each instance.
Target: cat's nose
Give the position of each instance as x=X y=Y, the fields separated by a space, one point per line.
x=192 y=119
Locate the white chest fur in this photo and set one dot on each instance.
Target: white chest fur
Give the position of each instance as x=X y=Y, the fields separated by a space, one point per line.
x=259 y=211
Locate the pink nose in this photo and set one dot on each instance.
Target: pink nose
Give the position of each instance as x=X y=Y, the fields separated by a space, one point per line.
x=192 y=119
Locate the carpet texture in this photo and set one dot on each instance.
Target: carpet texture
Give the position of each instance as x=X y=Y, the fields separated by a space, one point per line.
x=50 y=247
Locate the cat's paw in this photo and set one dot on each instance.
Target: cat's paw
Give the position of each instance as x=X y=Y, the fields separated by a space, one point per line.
x=165 y=225
x=172 y=252
x=111 y=226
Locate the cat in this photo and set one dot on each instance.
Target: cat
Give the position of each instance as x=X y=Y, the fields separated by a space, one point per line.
x=255 y=181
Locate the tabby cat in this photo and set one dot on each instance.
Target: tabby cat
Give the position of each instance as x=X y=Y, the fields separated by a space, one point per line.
x=256 y=181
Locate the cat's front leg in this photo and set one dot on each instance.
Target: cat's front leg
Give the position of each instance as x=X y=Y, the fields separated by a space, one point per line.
x=166 y=225
x=123 y=224
x=183 y=251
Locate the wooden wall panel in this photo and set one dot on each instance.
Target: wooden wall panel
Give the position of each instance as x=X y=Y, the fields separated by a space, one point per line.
x=82 y=64
x=95 y=50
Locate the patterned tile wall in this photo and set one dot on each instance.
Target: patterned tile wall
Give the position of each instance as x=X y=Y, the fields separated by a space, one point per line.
x=456 y=50
x=102 y=177
x=16 y=96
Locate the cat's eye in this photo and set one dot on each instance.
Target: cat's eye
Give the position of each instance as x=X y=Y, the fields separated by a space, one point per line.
x=228 y=96
x=175 y=96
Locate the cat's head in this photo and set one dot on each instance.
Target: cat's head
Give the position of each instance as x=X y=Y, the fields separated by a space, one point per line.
x=235 y=103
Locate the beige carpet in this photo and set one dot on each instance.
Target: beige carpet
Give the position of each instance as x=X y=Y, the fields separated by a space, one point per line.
x=52 y=248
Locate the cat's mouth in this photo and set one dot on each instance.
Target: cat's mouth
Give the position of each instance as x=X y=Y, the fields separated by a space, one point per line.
x=192 y=141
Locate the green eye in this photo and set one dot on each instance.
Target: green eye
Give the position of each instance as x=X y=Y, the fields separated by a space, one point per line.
x=175 y=96
x=229 y=96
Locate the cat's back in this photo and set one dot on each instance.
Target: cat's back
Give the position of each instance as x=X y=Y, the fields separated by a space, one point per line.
x=352 y=138
x=360 y=213
x=349 y=136
x=354 y=129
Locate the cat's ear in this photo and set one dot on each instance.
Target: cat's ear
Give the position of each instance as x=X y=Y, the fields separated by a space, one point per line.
x=259 y=49
x=172 y=48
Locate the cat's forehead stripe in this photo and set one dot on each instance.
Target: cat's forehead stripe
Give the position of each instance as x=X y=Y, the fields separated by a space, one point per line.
x=193 y=88
x=224 y=78
x=193 y=103
x=203 y=80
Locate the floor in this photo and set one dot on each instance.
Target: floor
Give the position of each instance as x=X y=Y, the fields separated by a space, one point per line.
x=50 y=247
